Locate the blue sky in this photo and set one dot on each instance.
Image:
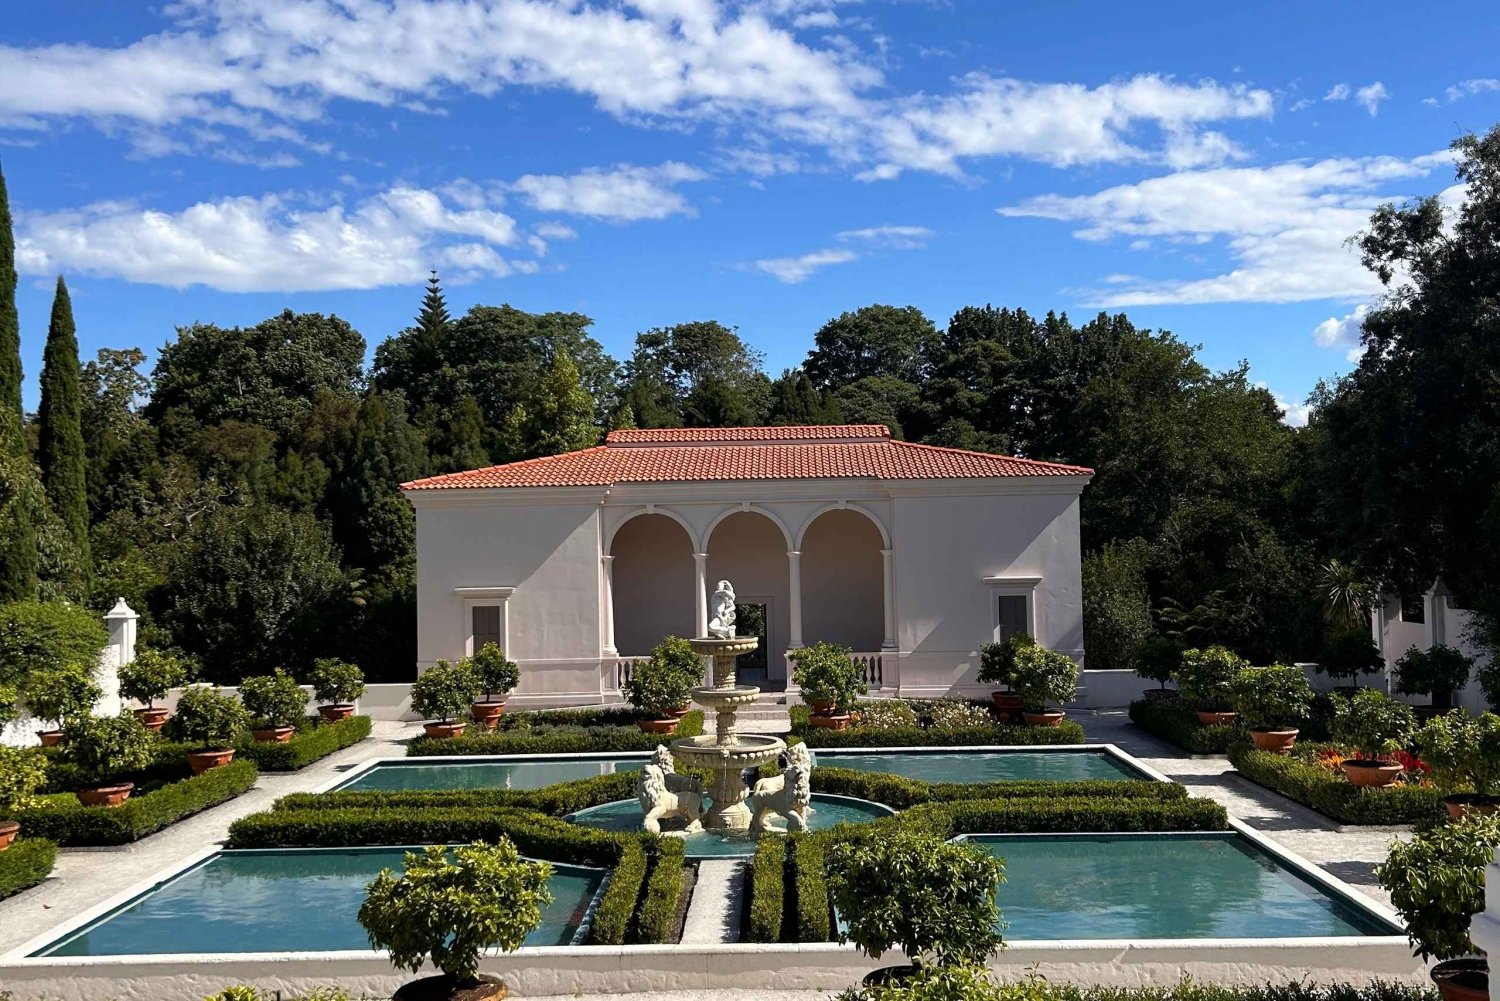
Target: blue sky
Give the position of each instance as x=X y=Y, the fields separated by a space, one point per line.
x=766 y=163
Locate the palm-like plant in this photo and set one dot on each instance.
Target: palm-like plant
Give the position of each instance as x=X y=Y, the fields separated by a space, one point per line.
x=1346 y=594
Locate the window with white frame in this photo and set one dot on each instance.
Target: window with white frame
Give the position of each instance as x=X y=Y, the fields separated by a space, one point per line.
x=485 y=617
x=1013 y=601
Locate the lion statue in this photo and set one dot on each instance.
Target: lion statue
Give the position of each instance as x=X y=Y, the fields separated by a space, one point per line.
x=675 y=783
x=659 y=802
x=788 y=794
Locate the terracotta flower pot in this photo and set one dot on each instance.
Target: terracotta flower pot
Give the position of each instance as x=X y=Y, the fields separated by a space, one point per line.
x=1367 y=772
x=107 y=796
x=831 y=721
x=1007 y=706
x=820 y=707
x=153 y=719
x=274 y=734
x=1277 y=740
x=50 y=738
x=680 y=711
x=664 y=725
x=336 y=713
x=202 y=761
x=1462 y=804
x=1215 y=718
x=444 y=731
x=1462 y=979
x=8 y=831
x=1047 y=717
x=487 y=714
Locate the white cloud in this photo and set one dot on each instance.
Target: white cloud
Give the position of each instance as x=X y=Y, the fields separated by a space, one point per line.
x=1283 y=226
x=1371 y=96
x=792 y=270
x=623 y=194
x=1343 y=331
x=1292 y=414
x=893 y=237
x=555 y=231
x=273 y=243
x=1338 y=92
x=1467 y=88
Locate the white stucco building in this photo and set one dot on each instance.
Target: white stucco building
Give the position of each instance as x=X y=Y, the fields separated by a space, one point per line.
x=912 y=555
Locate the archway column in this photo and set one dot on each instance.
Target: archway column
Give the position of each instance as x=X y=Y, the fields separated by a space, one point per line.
x=608 y=588
x=794 y=596
x=700 y=599
x=888 y=578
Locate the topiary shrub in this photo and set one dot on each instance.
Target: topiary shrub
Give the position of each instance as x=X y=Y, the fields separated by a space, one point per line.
x=102 y=747
x=152 y=675
x=1271 y=697
x=209 y=718
x=273 y=700
x=1159 y=659
x=444 y=691
x=1436 y=672
x=450 y=906
x=1349 y=653
x=47 y=636
x=60 y=694
x=1372 y=722
x=10 y=705
x=336 y=682
x=997 y=661
x=825 y=673
x=496 y=675
x=677 y=653
x=657 y=687
x=1040 y=676
x=1436 y=883
x=1204 y=676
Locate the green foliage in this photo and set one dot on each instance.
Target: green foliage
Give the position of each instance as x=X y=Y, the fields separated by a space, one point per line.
x=677 y=653
x=613 y=916
x=1204 y=676
x=152 y=674
x=1463 y=751
x=809 y=884
x=997 y=661
x=956 y=714
x=1372 y=721
x=23 y=770
x=963 y=983
x=958 y=982
x=1177 y=724
x=10 y=705
x=273 y=700
x=452 y=904
x=23 y=503
x=71 y=824
x=306 y=746
x=559 y=416
x=1349 y=653
x=1158 y=659
x=1346 y=594
x=1045 y=815
x=767 y=888
x=60 y=451
x=209 y=717
x=60 y=694
x=1041 y=675
x=658 y=686
x=497 y=676
x=656 y=921
x=1327 y=791
x=102 y=747
x=46 y=635
x=872 y=341
x=824 y=671
x=1436 y=671
x=24 y=864
x=616 y=731
x=336 y=682
x=904 y=793
x=1436 y=882
x=926 y=734
x=10 y=335
x=1116 y=604
x=933 y=900
x=886 y=714
x=444 y=691
x=1275 y=696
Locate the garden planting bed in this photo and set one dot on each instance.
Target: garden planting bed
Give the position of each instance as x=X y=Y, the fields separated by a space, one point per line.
x=314 y=740
x=559 y=731
x=24 y=864
x=1322 y=787
x=1172 y=721
x=886 y=723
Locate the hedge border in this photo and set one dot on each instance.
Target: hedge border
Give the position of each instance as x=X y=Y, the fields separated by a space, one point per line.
x=24 y=864
x=547 y=738
x=767 y=891
x=1331 y=794
x=810 y=912
x=1175 y=723
x=75 y=825
x=904 y=793
x=1066 y=732
x=306 y=746
x=656 y=918
x=616 y=908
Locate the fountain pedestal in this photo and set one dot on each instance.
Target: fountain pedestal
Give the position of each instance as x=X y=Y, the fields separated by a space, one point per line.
x=726 y=753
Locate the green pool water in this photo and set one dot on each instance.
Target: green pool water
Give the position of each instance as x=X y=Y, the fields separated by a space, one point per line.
x=453 y=775
x=288 y=900
x=988 y=766
x=625 y=815
x=1112 y=886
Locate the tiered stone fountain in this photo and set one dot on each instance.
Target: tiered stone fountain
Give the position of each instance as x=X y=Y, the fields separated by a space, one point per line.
x=726 y=753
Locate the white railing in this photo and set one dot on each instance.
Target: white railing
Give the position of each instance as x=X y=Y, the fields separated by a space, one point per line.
x=872 y=667
x=624 y=668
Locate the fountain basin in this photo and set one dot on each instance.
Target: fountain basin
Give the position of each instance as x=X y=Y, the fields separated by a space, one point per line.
x=749 y=750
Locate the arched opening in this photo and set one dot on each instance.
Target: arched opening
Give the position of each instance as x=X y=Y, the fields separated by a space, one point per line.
x=843 y=590
x=749 y=550
x=652 y=584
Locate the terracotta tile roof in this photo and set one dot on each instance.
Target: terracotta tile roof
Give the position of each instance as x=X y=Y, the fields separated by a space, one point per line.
x=710 y=454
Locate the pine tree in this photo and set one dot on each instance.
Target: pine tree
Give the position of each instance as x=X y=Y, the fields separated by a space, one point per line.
x=10 y=330
x=433 y=319
x=60 y=423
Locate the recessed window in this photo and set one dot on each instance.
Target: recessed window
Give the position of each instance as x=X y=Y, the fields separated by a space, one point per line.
x=1413 y=608
x=486 y=626
x=1012 y=616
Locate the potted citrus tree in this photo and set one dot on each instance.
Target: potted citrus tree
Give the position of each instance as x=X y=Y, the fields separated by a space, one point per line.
x=450 y=906
x=1203 y=676
x=997 y=663
x=1158 y=660
x=932 y=899
x=1272 y=702
x=23 y=770
x=104 y=747
x=149 y=677
x=1348 y=653
x=276 y=704
x=678 y=653
x=336 y=685
x=212 y=720
x=1435 y=672
x=442 y=694
x=657 y=688
x=1464 y=754
x=497 y=676
x=831 y=682
x=1041 y=676
x=1436 y=883
x=57 y=695
x=1373 y=724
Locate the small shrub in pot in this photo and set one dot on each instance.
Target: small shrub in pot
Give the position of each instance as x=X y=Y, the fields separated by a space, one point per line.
x=830 y=681
x=103 y=747
x=444 y=693
x=276 y=704
x=1464 y=754
x=336 y=685
x=497 y=677
x=23 y=770
x=1204 y=675
x=1272 y=701
x=58 y=695
x=1374 y=724
x=212 y=720
x=448 y=907
x=149 y=677
x=1436 y=672
x=658 y=688
x=997 y=665
x=1348 y=653
x=1158 y=660
x=677 y=653
x=1041 y=676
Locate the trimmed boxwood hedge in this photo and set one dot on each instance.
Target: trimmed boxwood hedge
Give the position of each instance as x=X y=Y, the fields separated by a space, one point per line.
x=809 y=911
x=554 y=800
x=71 y=824
x=656 y=919
x=616 y=732
x=1036 y=988
x=616 y=909
x=1333 y=795
x=903 y=793
x=766 y=890
x=308 y=744
x=1066 y=732
x=1175 y=723
x=24 y=864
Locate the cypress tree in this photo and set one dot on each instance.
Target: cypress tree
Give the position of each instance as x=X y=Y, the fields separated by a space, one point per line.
x=60 y=449
x=10 y=330
x=20 y=493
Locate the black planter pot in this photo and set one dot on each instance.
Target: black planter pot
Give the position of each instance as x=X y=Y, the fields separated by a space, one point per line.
x=891 y=976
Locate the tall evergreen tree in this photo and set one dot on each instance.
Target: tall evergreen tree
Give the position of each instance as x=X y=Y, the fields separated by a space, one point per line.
x=20 y=492
x=559 y=419
x=10 y=329
x=60 y=423
x=433 y=320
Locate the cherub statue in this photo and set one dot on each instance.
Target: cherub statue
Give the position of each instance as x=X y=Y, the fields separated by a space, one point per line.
x=788 y=794
x=659 y=803
x=721 y=605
